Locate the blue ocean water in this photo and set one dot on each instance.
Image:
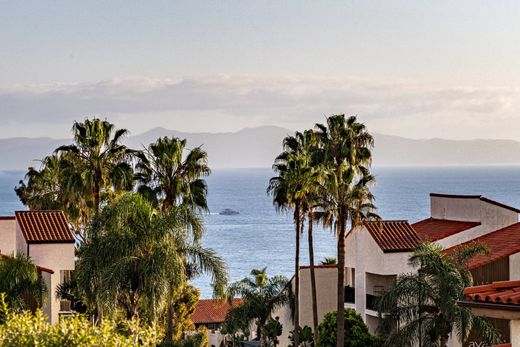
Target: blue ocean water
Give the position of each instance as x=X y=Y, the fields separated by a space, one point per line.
x=259 y=236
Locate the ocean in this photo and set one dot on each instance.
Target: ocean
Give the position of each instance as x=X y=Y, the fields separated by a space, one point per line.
x=260 y=237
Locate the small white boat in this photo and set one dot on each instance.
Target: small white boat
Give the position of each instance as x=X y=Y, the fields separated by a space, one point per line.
x=228 y=212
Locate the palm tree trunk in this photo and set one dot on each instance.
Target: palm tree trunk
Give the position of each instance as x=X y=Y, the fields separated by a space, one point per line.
x=97 y=189
x=341 y=279
x=313 y=279
x=297 y=221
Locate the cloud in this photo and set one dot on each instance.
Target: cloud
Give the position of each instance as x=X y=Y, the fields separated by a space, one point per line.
x=229 y=101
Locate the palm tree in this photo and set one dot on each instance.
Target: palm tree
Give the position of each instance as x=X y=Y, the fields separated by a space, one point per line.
x=261 y=296
x=345 y=156
x=56 y=185
x=169 y=178
x=21 y=282
x=293 y=188
x=101 y=159
x=424 y=304
x=136 y=258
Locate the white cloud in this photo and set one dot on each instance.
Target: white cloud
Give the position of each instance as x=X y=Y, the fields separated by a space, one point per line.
x=230 y=102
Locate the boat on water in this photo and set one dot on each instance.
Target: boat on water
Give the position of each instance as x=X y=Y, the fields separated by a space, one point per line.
x=228 y=212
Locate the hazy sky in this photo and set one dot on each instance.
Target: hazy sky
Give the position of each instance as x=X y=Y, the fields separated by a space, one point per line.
x=418 y=69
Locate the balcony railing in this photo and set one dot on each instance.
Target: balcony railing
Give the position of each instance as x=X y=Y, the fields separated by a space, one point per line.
x=372 y=302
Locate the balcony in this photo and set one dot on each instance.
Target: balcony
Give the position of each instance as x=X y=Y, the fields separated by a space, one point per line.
x=350 y=295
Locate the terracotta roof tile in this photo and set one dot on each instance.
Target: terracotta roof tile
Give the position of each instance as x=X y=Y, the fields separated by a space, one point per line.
x=39 y=268
x=212 y=311
x=44 y=226
x=393 y=236
x=504 y=292
x=501 y=243
x=432 y=229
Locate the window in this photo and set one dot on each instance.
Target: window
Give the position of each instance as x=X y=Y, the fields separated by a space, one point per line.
x=65 y=276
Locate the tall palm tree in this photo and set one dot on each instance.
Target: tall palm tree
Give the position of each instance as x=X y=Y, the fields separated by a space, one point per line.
x=102 y=161
x=21 y=282
x=169 y=177
x=424 y=304
x=136 y=257
x=345 y=157
x=261 y=295
x=56 y=185
x=293 y=188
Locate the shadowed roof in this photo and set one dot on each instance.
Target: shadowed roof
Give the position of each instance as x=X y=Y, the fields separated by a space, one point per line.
x=44 y=227
x=501 y=243
x=212 y=311
x=393 y=236
x=432 y=229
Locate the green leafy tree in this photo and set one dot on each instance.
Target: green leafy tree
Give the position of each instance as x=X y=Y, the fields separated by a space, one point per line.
x=261 y=296
x=356 y=332
x=424 y=304
x=345 y=157
x=136 y=258
x=328 y=261
x=21 y=282
x=306 y=337
x=273 y=329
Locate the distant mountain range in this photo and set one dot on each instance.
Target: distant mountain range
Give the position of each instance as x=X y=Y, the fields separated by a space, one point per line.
x=257 y=147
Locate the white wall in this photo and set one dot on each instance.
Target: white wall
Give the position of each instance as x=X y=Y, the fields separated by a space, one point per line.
x=56 y=256
x=7 y=236
x=463 y=209
x=514 y=267
x=515 y=333
x=21 y=245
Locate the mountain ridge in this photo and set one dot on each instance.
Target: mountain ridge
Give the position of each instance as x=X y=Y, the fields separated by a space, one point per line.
x=258 y=146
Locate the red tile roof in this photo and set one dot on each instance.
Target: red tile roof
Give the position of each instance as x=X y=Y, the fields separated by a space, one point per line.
x=504 y=292
x=432 y=229
x=39 y=268
x=393 y=236
x=480 y=197
x=320 y=266
x=44 y=226
x=501 y=243
x=212 y=311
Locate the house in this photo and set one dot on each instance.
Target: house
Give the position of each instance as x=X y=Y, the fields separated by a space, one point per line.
x=498 y=300
x=45 y=236
x=377 y=252
x=212 y=314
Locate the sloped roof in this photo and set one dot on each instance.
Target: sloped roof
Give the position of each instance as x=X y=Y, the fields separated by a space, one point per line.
x=44 y=227
x=432 y=229
x=39 y=268
x=393 y=236
x=212 y=311
x=501 y=243
x=503 y=292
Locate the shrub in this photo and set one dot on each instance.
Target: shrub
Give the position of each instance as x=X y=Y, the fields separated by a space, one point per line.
x=27 y=329
x=356 y=332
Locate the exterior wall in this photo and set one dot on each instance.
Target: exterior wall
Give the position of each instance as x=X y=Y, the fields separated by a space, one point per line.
x=21 y=244
x=56 y=256
x=463 y=236
x=284 y=316
x=49 y=297
x=514 y=267
x=474 y=209
x=515 y=333
x=7 y=236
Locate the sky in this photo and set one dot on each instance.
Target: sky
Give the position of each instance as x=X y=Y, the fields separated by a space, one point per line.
x=418 y=69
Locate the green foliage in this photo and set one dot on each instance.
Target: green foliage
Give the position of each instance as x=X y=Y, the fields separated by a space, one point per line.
x=184 y=302
x=136 y=258
x=21 y=282
x=273 y=329
x=305 y=335
x=356 y=332
x=261 y=295
x=424 y=303
x=27 y=329
x=328 y=261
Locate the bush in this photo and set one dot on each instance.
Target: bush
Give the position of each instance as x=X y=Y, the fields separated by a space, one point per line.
x=356 y=332
x=27 y=329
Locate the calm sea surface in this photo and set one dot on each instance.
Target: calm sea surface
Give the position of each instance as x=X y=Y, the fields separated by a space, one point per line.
x=259 y=237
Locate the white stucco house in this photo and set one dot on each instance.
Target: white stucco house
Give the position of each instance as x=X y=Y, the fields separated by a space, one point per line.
x=377 y=252
x=46 y=237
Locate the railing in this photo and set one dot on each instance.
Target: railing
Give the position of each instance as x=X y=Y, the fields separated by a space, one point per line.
x=372 y=302
x=350 y=295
